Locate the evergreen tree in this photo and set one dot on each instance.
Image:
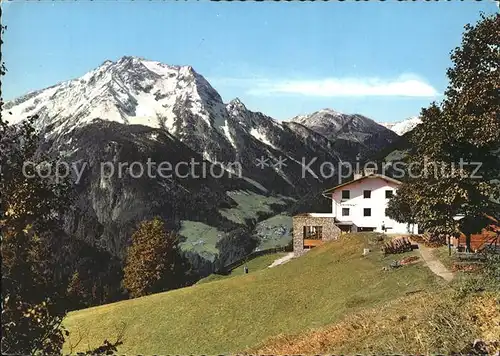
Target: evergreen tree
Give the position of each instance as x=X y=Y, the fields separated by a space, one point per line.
x=235 y=245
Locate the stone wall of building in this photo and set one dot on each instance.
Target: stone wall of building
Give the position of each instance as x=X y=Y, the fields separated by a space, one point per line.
x=330 y=231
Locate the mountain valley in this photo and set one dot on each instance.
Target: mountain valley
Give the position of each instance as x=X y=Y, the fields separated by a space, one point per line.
x=134 y=109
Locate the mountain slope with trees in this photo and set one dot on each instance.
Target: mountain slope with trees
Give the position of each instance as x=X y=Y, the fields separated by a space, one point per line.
x=133 y=109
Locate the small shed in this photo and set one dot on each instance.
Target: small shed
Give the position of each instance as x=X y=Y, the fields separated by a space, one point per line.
x=484 y=233
x=313 y=229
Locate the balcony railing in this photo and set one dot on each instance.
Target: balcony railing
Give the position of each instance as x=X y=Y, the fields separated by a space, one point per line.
x=312 y=242
x=313 y=236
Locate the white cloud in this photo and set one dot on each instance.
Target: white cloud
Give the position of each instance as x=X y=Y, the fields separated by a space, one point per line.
x=407 y=85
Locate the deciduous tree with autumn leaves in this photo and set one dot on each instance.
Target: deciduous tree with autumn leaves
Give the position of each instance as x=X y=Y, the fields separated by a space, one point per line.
x=34 y=246
x=465 y=127
x=153 y=262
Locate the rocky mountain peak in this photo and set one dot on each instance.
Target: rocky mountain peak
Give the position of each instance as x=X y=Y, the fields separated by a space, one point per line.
x=348 y=127
x=236 y=105
x=107 y=62
x=131 y=90
x=330 y=112
x=402 y=127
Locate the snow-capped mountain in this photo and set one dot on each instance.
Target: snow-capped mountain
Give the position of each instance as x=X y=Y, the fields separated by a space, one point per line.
x=135 y=91
x=138 y=91
x=133 y=109
x=176 y=98
x=129 y=91
x=402 y=127
x=357 y=129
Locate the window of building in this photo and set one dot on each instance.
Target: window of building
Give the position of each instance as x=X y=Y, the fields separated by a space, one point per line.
x=346 y=194
x=367 y=212
x=345 y=211
x=389 y=194
x=313 y=232
x=367 y=194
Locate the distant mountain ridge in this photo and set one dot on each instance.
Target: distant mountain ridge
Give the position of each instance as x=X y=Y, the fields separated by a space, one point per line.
x=402 y=127
x=355 y=128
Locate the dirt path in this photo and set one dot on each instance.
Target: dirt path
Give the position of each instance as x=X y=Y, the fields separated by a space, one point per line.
x=434 y=264
x=281 y=260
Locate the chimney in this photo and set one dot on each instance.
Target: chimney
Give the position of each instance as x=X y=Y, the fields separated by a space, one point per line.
x=365 y=172
x=369 y=171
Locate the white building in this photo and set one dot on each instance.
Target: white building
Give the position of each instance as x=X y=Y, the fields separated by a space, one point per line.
x=360 y=205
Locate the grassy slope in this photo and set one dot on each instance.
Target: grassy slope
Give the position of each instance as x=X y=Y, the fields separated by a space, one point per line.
x=421 y=323
x=442 y=254
x=237 y=313
x=199 y=237
x=433 y=321
x=254 y=265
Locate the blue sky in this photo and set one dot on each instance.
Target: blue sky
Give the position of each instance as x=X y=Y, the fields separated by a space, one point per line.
x=385 y=60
